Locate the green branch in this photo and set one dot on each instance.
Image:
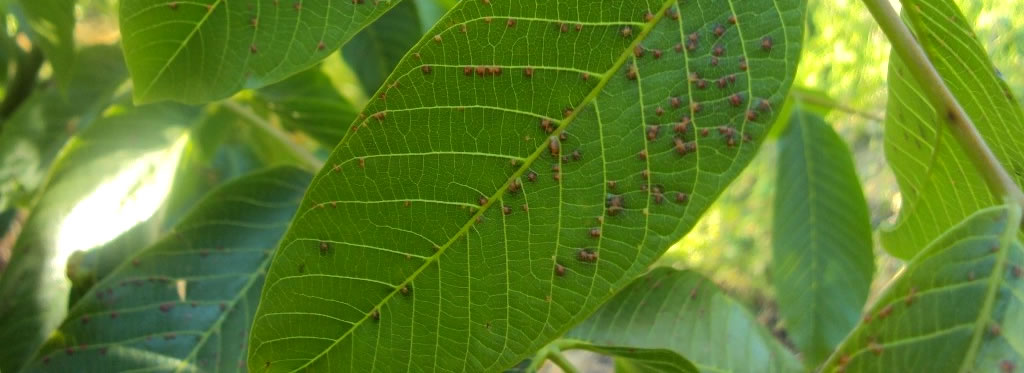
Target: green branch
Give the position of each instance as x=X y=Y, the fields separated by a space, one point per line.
x=309 y=161
x=938 y=94
x=556 y=357
x=24 y=81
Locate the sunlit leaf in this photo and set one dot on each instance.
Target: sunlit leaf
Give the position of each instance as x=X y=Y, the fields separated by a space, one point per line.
x=448 y=188
x=51 y=26
x=109 y=178
x=44 y=122
x=376 y=50
x=822 y=259
x=200 y=51
x=667 y=317
x=309 y=103
x=185 y=303
x=956 y=308
x=939 y=184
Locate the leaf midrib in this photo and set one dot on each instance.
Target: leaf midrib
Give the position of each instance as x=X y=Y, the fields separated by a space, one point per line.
x=605 y=78
x=170 y=61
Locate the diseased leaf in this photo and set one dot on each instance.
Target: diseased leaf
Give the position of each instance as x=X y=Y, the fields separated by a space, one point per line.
x=200 y=51
x=956 y=308
x=667 y=317
x=51 y=26
x=108 y=178
x=308 y=102
x=448 y=189
x=376 y=50
x=939 y=184
x=41 y=126
x=185 y=303
x=822 y=260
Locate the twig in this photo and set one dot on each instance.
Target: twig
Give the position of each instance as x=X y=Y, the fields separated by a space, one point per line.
x=909 y=50
x=818 y=101
x=22 y=84
x=556 y=357
x=310 y=161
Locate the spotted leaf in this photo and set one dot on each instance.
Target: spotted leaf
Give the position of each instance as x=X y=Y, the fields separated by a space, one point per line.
x=523 y=164
x=667 y=317
x=200 y=51
x=185 y=303
x=956 y=308
x=939 y=184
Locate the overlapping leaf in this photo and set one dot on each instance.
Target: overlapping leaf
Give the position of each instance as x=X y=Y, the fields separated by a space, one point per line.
x=447 y=229
x=376 y=50
x=956 y=308
x=185 y=303
x=45 y=121
x=112 y=162
x=51 y=26
x=308 y=102
x=822 y=259
x=667 y=317
x=939 y=184
x=199 y=51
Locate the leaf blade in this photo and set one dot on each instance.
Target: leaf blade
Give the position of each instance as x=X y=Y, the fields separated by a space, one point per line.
x=369 y=182
x=822 y=261
x=925 y=158
x=955 y=308
x=682 y=313
x=196 y=52
x=220 y=250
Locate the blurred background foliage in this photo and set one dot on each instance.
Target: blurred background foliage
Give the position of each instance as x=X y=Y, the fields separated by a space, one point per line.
x=844 y=65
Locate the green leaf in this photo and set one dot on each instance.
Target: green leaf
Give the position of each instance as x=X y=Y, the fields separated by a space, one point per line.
x=186 y=302
x=200 y=51
x=376 y=50
x=107 y=179
x=957 y=307
x=668 y=316
x=51 y=26
x=46 y=120
x=822 y=260
x=939 y=184
x=434 y=191
x=310 y=103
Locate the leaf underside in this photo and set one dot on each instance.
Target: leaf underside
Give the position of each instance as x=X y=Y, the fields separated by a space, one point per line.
x=431 y=237
x=204 y=50
x=957 y=307
x=375 y=51
x=822 y=259
x=33 y=297
x=939 y=184
x=667 y=316
x=185 y=303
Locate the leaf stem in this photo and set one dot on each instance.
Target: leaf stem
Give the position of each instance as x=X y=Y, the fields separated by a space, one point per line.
x=20 y=87
x=556 y=357
x=816 y=100
x=309 y=161
x=906 y=46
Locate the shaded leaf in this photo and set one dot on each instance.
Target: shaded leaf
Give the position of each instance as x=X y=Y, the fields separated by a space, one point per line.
x=51 y=26
x=41 y=126
x=448 y=186
x=108 y=178
x=939 y=184
x=185 y=303
x=955 y=308
x=822 y=260
x=308 y=102
x=667 y=317
x=200 y=51
x=376 y=50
